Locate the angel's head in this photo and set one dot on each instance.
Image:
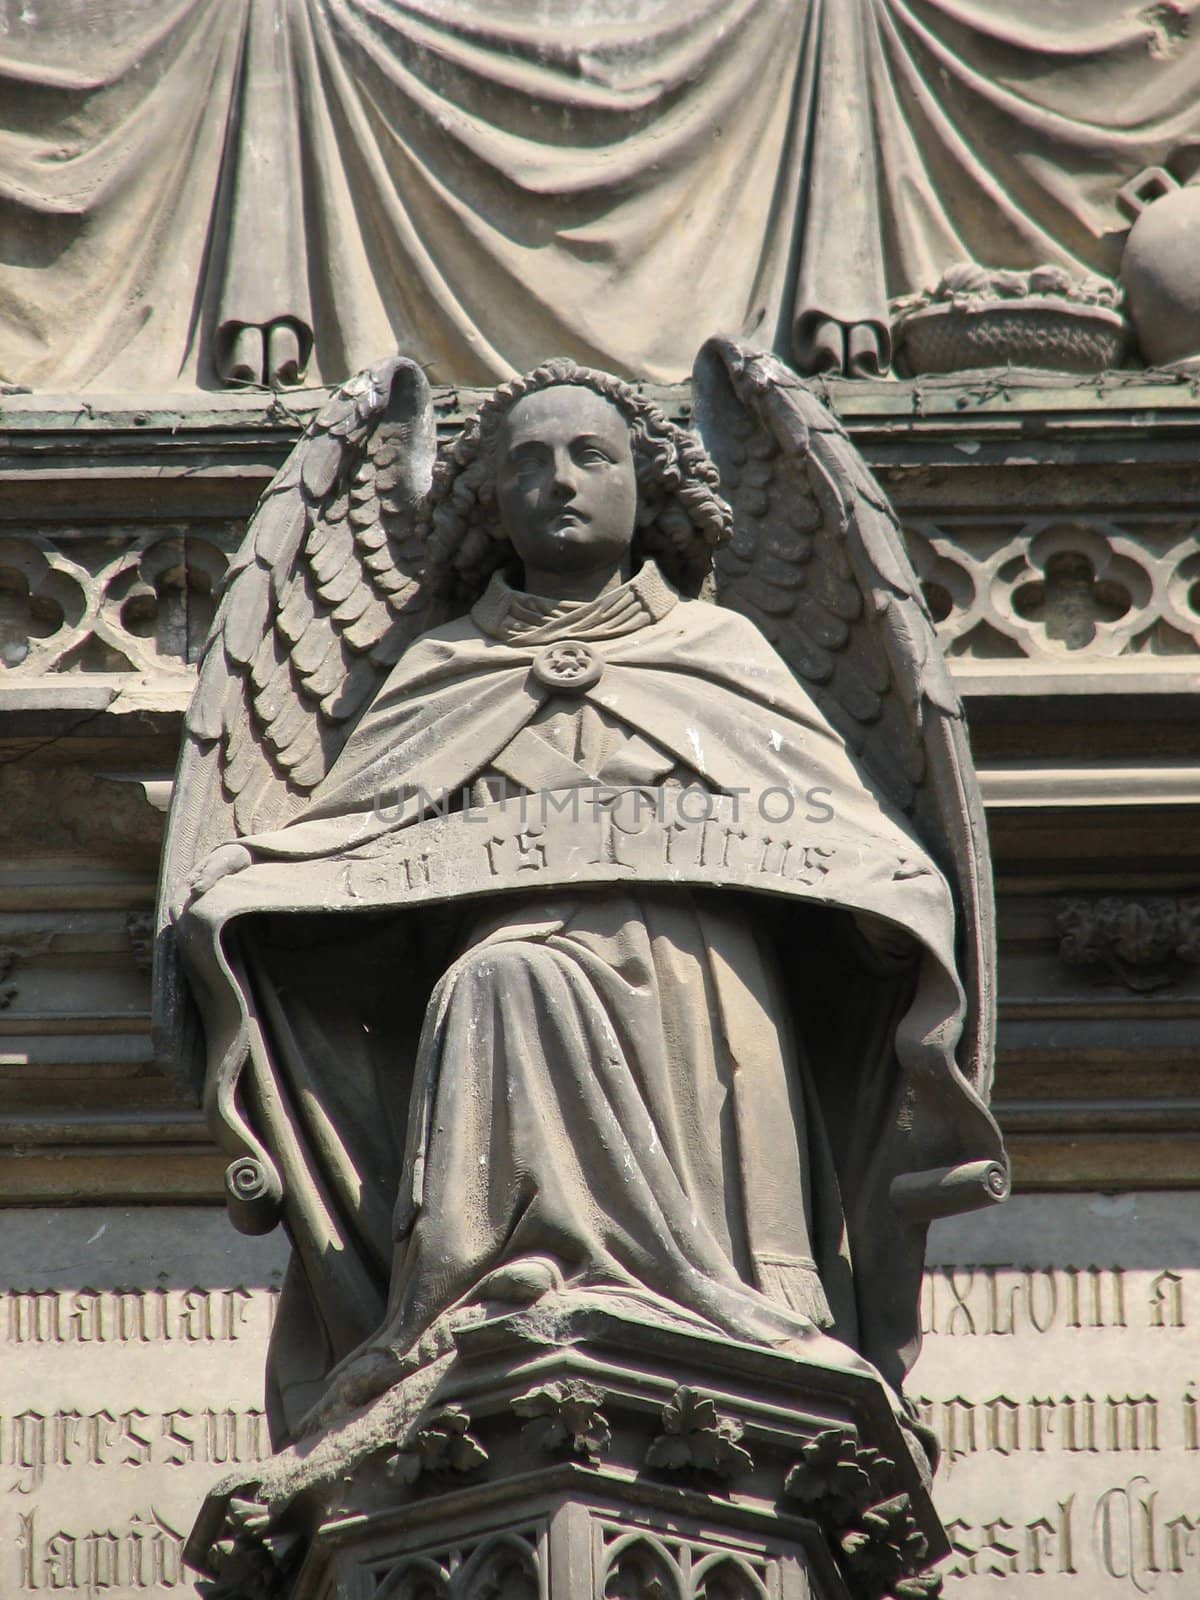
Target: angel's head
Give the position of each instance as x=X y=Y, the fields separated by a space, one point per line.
x=543 y=480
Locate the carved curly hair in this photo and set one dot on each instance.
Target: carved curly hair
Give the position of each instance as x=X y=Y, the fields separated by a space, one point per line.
x=681 y=517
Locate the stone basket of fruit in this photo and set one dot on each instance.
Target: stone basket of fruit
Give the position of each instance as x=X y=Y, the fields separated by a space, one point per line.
x=977 y=317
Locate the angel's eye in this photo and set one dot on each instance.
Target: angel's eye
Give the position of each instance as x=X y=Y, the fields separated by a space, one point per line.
x=591 y=455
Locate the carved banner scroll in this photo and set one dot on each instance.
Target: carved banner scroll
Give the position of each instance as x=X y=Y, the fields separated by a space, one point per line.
x=773 y=840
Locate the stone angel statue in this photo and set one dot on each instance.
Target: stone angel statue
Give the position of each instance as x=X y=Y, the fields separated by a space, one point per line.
x=578 y=869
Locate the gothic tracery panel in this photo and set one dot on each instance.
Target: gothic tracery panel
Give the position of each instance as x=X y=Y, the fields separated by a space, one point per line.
x=1055 y=588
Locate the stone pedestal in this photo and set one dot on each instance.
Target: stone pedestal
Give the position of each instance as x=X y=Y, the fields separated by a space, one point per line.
x=572 y=1533
x=591 y=1456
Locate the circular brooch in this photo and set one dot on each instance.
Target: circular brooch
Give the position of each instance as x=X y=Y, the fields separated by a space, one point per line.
x=568 y=665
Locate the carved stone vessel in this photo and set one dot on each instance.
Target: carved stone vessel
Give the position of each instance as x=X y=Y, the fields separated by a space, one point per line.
x=1047 y=333
x=1158 y=267
x=979 y=318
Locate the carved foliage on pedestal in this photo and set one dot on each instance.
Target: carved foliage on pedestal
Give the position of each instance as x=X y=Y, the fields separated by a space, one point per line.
x=443 y=1447
x=922 y=1586
x=697 y=1438
x=565 y=1416
x=873 y=1536
x=1044 y=588
x=884 y=1549
x=250 y=1562
x=835 y=1478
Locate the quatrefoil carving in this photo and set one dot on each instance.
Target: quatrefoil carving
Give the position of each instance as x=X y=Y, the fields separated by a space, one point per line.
x=1083 y=587
x=83 y=603
x=1054 y=589
x=39 y=599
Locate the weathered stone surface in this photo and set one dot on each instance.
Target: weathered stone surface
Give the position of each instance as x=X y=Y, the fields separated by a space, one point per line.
x=711 y=1463
x=653 y=1076
x=1059 y=1376
x=1088 y=768
x=1086 y=757
x=133 y=1346
x=606 y=627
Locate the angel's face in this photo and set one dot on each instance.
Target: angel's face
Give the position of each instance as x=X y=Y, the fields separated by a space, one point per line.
x=566 y=489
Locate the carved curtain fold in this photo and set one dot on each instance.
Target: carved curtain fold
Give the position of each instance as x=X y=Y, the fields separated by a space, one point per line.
x=199 y=192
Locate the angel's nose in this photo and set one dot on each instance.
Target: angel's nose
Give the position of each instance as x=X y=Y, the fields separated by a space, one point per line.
x=565 y=479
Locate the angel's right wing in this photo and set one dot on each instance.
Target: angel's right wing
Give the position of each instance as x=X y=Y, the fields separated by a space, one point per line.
x=817 y=561
x=322 y=598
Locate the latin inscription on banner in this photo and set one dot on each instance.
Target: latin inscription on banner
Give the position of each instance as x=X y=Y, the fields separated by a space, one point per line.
x=1066 y=1397
x=597 y=836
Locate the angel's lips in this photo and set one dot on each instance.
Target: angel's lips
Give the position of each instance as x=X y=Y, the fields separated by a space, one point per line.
x=566 y=521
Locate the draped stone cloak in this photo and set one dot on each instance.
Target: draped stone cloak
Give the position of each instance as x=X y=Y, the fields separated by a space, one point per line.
x=676 y=1068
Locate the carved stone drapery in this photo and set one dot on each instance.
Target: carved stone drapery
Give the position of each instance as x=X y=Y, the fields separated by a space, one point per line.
x=231 y=191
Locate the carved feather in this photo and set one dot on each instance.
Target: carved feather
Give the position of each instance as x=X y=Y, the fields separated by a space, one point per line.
x=324 y=679
x=305 y=630
x=298 y=612
x=281 y=524
x=371 y=536
x=370 y=628
x=856 y=630
x=294 y=716
x=204 y=719
x=248 y=615
x=353 y=606
x=313 y=648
